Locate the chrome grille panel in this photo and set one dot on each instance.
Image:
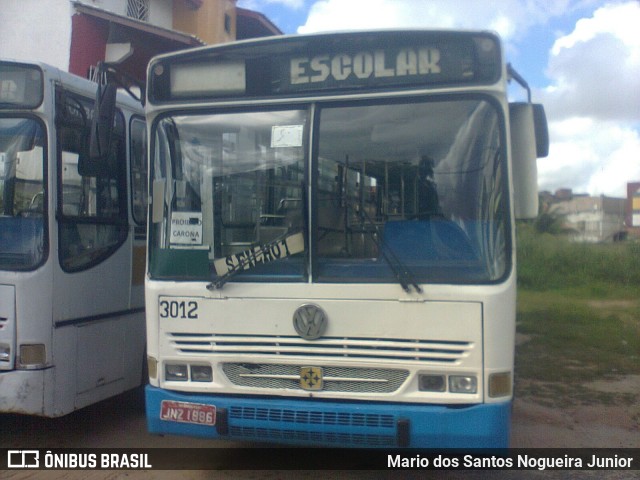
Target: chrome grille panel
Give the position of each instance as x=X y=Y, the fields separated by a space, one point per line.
x=315 y=427
x=428 y=351
x=290 y=415
x=313 y=438
x=335 y=379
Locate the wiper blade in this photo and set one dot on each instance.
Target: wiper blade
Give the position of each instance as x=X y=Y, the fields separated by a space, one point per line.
x=282 y=247
x=405 y=277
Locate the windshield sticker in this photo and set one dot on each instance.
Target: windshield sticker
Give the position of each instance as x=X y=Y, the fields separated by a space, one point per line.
x=186 y=228
x=269 y=252
x=4 y=165
x=286 y=136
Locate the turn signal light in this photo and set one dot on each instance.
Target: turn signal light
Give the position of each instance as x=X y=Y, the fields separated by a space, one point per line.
x=32 y=356
x=500 y=384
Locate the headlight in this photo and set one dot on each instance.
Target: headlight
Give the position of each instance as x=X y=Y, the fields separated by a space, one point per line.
x=5 y=352
x=432 y=383
x=463 y=384
x=175 y=373
x=201 y=373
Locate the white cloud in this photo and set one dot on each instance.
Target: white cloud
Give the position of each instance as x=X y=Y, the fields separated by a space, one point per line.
x=510 y=18
x=590 y=156
x=596 y=68
x=258 y=5
x=623 y=16
x=594 y=104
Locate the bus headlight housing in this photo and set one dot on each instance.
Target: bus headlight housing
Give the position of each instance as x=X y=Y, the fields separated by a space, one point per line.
x=5 y=352
x=176 y=372
x=432 y=383
x=463 y=384
x=201 y=373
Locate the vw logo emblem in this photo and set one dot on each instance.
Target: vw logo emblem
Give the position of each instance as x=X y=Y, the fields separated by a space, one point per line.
x=310 y=322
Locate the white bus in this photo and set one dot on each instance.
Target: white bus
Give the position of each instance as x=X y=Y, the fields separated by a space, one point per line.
x=331 y=239
x=72 y=245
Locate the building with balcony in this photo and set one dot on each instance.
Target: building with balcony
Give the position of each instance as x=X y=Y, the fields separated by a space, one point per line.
x=74 y=35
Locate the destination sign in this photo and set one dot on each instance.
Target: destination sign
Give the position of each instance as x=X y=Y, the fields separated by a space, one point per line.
x=328 y=63
x=454 y=62
x=21 y=85
x=365 y=65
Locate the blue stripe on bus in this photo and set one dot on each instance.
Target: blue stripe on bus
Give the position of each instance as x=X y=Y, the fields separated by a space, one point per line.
x=338 y=423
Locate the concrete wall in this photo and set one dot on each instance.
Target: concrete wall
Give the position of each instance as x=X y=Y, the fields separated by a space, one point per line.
x=36 y=30
x=160 y=11
x=40 y=30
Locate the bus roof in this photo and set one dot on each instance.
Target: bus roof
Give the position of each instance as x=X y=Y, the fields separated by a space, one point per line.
x=71 y=81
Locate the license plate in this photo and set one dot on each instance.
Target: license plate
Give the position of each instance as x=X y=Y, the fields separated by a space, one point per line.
x=185 y=412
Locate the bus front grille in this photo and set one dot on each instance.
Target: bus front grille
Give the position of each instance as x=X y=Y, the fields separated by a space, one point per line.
x=268 y=346
x=334 y=379
x=314 y=427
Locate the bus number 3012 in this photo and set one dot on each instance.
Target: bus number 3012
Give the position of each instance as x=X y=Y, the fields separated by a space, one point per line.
x=178 y=309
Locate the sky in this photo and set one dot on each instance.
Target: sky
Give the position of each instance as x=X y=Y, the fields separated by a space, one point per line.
x=580 y=57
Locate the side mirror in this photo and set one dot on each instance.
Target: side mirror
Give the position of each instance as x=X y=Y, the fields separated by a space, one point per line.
x=101 y=131
x=541 y=130
x=524 y=149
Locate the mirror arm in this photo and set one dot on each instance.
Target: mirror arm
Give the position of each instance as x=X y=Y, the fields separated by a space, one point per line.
x=121 y=79
x=519 y=79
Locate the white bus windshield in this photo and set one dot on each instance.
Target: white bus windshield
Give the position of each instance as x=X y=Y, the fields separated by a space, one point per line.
x=22 y=193
x=419 y=184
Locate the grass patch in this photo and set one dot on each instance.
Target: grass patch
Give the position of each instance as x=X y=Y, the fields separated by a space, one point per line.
x=579 y=311
x=570 y=340
x=551 y=262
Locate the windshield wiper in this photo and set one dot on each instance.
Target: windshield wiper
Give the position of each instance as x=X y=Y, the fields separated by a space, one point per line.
x=405 y=277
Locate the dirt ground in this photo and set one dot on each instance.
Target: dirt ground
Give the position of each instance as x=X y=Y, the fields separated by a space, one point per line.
x=581 y=426
x=535 y=425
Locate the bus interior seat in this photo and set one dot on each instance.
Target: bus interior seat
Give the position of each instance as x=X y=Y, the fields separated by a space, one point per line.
x=433 y=239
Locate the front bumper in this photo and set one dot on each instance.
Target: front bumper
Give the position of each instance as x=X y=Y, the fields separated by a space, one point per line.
x=336 y=423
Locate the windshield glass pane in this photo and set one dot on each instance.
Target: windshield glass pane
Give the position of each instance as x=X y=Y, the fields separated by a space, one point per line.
x=414 y=188
x=401 y=192
x=22 y=193
x=231 y=196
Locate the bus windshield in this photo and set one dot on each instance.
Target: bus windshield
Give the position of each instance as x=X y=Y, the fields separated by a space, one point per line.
x=22 y=193
x=413 y=186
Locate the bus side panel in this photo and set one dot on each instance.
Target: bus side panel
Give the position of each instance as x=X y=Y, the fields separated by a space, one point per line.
x=125 y=361
x=97 y=360
x=99 y=335
x=63 y=392
x=8 y=326
x=23 y=391
x=28 y=297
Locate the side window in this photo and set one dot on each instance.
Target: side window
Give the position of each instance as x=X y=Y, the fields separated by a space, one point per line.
x=139 y=168
x=91 y=209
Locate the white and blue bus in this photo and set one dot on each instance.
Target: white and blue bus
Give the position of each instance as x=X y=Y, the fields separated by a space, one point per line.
x=72 y=244
x=331 y=254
